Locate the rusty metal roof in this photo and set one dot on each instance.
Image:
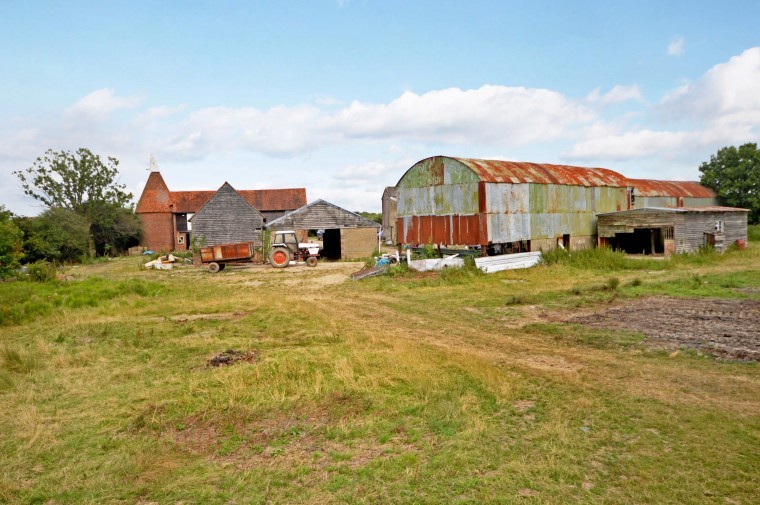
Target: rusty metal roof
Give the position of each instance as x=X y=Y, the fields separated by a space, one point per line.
x=542 y=173
x=707 y=209
x=646 y=187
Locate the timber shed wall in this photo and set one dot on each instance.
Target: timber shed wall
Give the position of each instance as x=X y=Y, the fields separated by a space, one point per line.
x=227 y=217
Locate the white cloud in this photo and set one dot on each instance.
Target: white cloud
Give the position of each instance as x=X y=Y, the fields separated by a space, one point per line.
x=347 y=153
x=676 y=47
x=726 y=94
x=617 y=94
x=100 y=103
x=721 y=107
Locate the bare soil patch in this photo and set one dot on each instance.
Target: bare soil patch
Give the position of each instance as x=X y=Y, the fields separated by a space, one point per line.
x=230 y=357
x=721 y=327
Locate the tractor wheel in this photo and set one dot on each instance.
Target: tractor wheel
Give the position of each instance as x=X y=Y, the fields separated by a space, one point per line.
x=311 y=261
x=214 y=267
x=279 y=257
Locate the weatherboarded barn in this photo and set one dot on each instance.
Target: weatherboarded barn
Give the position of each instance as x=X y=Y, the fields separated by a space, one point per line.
x=166 y=215
x=346 y=235
x=227 y=217
x=660 y=230
x=505 y=206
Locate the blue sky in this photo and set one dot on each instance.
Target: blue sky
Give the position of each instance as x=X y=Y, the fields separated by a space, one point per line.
x=341 y=97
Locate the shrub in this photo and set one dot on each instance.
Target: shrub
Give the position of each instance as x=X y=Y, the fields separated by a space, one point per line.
x=41 y=271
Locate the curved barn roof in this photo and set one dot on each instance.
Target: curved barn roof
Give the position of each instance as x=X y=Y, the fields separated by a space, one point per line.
x=647 y=187
x=542 y=173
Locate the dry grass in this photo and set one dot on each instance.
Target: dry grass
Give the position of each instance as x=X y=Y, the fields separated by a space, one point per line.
x=417 y=389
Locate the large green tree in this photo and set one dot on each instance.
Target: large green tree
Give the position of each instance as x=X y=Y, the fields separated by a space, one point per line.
x=734 y=174
x=82 y=183
x=77 y=181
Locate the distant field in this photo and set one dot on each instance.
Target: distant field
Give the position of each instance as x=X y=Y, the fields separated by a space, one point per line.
x=591 y=379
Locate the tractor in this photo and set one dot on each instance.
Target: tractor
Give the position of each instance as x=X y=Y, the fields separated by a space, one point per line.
x=286 y=248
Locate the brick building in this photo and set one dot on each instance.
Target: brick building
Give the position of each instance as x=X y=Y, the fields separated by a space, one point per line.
x=165 y=214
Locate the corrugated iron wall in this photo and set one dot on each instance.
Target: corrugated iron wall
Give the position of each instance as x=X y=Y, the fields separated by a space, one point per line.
x=441 y=200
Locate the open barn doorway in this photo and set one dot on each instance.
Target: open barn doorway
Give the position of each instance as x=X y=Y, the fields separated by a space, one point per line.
x=641 y=241
x=331 y=244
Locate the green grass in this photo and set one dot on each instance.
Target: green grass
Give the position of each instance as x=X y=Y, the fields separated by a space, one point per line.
x=25 y=301
x=454 y=387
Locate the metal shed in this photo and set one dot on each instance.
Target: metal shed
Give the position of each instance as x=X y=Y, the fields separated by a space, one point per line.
x=227 y=217
x=659 y=230
x=346 y=235
x=505 y=206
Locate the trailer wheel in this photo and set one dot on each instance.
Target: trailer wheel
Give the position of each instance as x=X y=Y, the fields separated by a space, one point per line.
x=279 y=257
x=214 y=267
x=311 y=261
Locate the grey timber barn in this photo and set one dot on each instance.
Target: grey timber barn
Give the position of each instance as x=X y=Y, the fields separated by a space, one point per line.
x=227 y=217
x=657 y=230
x=347 y=235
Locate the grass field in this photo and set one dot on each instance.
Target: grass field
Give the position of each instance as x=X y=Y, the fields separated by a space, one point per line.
x=407 y=388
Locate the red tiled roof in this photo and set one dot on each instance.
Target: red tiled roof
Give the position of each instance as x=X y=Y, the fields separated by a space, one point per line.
x=156 y=197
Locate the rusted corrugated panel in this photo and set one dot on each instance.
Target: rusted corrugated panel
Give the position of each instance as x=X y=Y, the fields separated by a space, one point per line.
x=542 y=173
x=450 y=199
x=448 y=230
x=647 y=187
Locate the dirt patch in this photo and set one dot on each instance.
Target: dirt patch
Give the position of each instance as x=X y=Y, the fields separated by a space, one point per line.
x=183 y=318
x=720 y=327
x=230 y=357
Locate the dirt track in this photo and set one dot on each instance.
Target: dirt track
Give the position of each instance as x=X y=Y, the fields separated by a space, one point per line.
x=720 y=327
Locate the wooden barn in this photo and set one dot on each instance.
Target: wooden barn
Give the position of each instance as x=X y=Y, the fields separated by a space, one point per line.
x=345 y=234
x=660 y=230
x=227 y=217
x=167 y=215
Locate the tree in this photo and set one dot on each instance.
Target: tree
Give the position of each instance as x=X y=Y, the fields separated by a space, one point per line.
x=114 y=229
x=734 y=174
x=74 y=181
x=56 y=235
x=10 y=244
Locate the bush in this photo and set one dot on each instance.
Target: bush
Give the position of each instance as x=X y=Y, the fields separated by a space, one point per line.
x=41 y=271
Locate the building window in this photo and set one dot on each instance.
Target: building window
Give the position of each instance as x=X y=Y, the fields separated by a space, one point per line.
x=718 y=226
x=182 y=222
x=181 y=239
x=667 y=233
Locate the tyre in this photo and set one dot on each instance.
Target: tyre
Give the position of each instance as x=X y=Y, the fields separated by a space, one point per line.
x=311 y=261
x=279 y=257
x=214 y=267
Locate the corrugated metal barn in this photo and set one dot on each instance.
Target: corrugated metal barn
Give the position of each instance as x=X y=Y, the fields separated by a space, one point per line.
x=227 y=217
x=505 y=206
x=346 y=235
x=666 y=231
x=669 y=194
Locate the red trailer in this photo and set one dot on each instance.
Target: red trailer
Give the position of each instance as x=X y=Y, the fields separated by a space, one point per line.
x=216 y=257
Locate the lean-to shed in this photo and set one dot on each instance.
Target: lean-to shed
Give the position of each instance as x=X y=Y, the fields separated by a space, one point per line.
x=227 y=217
x=346 y=235
x=505 y=206
x=659 y=230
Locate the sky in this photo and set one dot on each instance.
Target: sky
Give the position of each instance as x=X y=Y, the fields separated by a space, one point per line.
x=341 y=97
